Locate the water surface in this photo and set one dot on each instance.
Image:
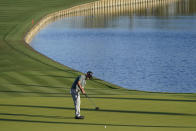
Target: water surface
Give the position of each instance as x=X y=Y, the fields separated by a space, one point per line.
x=151 y=50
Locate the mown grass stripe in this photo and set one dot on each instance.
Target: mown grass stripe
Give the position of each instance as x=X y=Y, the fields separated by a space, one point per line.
x=17 y=78
x=92 y=124
x=4 y=89
x=44 y=81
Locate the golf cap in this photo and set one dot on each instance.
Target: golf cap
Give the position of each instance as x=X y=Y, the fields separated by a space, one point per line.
x=90 y=74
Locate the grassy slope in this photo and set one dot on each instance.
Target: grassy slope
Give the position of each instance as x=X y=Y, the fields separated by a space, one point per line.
x=34 y=91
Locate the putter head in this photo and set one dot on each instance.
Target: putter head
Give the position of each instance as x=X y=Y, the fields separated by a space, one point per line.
x=97 y=108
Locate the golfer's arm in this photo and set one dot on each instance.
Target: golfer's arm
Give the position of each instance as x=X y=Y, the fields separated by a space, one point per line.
x=82 y=89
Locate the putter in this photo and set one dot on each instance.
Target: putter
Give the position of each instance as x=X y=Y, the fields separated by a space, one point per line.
x=96 y=108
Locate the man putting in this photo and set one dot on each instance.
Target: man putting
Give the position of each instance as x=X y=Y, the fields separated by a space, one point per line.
x=78 y=86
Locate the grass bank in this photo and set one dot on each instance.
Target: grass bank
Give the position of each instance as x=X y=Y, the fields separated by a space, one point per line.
x=34 y=90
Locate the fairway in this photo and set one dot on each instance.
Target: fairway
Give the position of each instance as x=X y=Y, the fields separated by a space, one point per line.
x=34 y=90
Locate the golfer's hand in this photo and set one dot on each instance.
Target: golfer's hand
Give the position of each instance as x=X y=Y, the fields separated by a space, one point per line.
x=83 y=92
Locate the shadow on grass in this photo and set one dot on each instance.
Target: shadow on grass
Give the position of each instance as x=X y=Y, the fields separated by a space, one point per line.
x=103 y=110
x=66 y=91
x=148 y=99
x=33 y=92
x=31 y=85
x=10 y=78
x=9 y=94
x=59 y=76
x=92 y=124
x=42 y=116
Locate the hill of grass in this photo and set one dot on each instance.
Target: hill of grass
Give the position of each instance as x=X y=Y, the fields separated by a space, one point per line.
x=34 y=90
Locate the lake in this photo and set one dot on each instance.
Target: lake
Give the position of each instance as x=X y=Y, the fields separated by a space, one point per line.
x=150 y=50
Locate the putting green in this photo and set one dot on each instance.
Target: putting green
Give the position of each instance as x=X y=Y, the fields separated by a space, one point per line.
x=34 y=90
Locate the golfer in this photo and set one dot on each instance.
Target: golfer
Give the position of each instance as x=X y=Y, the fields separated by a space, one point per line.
x=77 y=87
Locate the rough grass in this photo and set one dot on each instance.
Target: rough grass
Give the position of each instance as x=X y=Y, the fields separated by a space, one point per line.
x=34 y=90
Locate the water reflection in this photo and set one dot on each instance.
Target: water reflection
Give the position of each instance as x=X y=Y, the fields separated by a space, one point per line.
x=164 y=9
x=152 y=49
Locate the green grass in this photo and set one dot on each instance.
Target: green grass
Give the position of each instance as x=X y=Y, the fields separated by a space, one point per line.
x=34 y=90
